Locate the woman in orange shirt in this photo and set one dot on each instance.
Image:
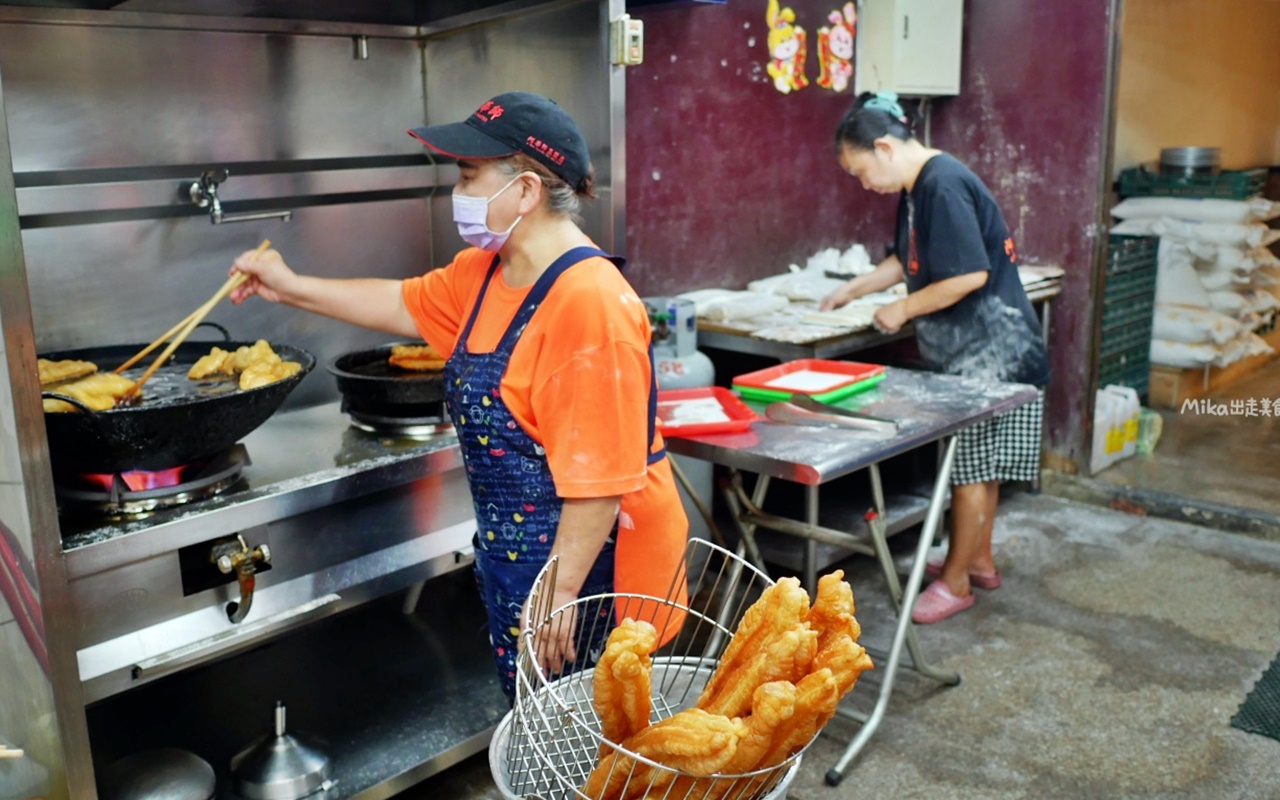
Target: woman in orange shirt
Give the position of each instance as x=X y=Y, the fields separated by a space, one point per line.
x=549 y=379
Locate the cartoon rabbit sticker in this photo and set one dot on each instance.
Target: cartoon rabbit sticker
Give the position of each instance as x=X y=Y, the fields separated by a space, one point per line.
x=835 y=49
x=786 y=43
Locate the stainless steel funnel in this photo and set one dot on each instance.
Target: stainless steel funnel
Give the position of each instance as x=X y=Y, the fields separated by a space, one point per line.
x=279 y=766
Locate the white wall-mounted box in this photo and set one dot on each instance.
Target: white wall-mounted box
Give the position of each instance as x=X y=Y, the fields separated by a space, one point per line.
x=911 y=47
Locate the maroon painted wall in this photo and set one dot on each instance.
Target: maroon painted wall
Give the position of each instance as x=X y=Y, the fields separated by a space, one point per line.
x=729 y=180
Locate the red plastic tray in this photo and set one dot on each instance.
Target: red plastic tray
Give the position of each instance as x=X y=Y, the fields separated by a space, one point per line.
x=848 y=377
x=740 y=417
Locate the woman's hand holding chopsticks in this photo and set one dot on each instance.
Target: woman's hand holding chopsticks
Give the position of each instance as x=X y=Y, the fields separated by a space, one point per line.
x=268 y=276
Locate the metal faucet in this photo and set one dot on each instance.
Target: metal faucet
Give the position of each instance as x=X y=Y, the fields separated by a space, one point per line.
x=204 y=193
x=234 y=555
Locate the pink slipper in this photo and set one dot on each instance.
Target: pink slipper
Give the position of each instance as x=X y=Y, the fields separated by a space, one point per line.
x=987 y=581
x=936 y=603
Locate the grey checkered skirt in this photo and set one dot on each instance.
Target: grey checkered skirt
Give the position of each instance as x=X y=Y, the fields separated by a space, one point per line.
x=1004 y=448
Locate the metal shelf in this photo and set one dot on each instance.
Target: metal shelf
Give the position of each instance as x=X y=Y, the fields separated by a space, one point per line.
x=394 y=698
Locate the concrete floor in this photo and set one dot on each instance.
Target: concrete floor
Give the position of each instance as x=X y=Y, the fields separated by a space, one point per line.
x=1108 y=666
x=1232 y=460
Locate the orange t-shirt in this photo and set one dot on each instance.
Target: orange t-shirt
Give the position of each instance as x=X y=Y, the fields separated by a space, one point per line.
x=578 y=383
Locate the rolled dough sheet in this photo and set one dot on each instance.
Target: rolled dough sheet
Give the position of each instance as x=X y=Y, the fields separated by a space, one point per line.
x=694 y=411
x=856 y=317
x=808 y=380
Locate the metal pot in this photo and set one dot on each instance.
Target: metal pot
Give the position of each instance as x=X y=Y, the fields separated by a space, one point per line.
x=178 y=420
x=164 y=774
x=370 y=384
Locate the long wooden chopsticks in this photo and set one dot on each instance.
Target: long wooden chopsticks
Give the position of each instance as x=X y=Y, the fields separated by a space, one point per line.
x=183 y=329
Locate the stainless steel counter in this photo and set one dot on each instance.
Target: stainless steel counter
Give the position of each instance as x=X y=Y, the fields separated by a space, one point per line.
x=348 y=516
x=928 y=407
x=302 y=460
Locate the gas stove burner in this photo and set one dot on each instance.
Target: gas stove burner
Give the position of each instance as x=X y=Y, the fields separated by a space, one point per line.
x=410 y=427
x=134 y=494
x=413 y=421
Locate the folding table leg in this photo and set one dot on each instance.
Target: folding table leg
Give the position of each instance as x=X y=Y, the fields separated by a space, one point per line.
x=810 y=545
x=747 y=530
x=940 y=488
x=876 y=527
x=747 y=547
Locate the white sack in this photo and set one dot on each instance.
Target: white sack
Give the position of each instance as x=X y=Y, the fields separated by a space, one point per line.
x=1262 y=257
x=1199 y=209
x=1192 y=325
x=1244 y=346
x=1177 y=282
x=1218 y=279
x=1135 y=227
x=1253 y=234
x=1181 y=354
x=1232 y=258
x=1228 y=302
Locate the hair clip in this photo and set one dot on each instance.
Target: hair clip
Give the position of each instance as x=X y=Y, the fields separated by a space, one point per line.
x=888 y=103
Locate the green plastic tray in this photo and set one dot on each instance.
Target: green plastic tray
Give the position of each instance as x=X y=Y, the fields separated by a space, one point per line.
x=752 y=393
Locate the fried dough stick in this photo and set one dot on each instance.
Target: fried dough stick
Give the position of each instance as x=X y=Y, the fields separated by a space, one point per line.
x=691 y=741
x=846 y=659
x=785 y=655
x=623 y=681
x=779 y=608
x=256 y=364
x=816 y=699
x=52 y=372
x=100 y=392
x=417 y=357
x=833 y=609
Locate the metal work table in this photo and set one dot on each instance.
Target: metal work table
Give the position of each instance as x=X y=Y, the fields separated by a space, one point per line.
x=929 y=408
x=738 y=338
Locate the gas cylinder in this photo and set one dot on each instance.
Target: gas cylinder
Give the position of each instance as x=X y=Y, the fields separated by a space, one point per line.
x=679 y=364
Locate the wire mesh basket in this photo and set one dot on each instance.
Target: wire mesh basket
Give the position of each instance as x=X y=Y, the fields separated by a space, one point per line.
x=547 y=746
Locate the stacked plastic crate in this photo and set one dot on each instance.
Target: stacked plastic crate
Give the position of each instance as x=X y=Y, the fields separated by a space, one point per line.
x=1128 y=303
x=1217 y=289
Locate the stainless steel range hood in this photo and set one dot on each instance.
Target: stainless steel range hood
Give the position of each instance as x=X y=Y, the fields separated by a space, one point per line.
x=418 y=13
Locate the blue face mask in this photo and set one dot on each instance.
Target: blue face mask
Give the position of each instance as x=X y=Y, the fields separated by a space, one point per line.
x=472 y=217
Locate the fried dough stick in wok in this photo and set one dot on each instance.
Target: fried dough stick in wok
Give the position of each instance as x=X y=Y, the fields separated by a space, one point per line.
x=100 y=392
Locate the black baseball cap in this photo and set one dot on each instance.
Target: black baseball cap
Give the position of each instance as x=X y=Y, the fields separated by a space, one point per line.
x=515 y=122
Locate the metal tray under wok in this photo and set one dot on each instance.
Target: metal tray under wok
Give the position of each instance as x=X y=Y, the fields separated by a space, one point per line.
x=369 y=383
x=178 y=420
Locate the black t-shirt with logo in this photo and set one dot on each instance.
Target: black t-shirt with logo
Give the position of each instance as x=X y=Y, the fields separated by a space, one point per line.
x=992 y=332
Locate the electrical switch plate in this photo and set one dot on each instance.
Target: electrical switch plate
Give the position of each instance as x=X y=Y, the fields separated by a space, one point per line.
x=627 y=40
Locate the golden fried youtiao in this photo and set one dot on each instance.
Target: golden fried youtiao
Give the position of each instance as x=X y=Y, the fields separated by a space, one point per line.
x=416 y=357
x=100 y=392
x=58 y=371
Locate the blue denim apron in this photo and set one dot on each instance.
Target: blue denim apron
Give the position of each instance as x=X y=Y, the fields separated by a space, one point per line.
x=517 y=508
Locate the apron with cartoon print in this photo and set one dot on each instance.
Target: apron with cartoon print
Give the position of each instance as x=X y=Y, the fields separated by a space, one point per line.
x=517 y=508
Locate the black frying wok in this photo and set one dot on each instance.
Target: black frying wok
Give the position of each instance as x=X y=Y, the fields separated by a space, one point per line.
x=370 y=384
x=177 y=421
